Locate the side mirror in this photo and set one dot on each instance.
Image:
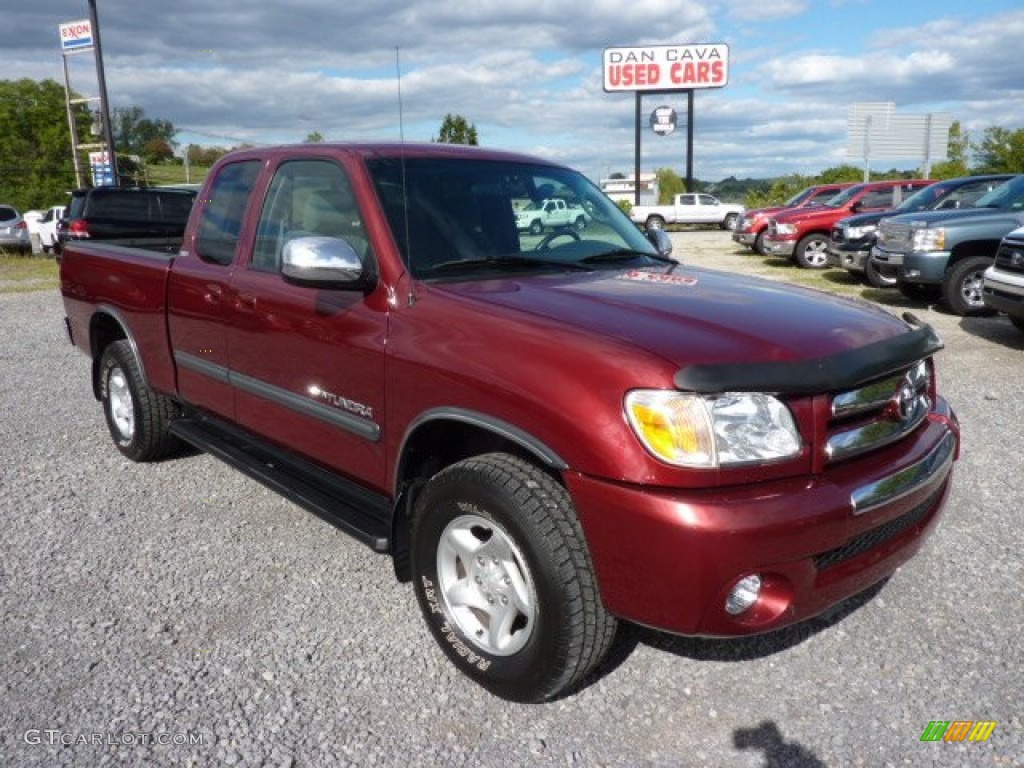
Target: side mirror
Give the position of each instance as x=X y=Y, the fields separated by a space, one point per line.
x=328 y=262
x=661 y=241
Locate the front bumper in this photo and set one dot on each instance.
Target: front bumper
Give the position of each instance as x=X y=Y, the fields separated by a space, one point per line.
x=779 y=247
x=1004 y=292
x=922 y=267
x=668 y=559
x=854 y=259
x=744 y=238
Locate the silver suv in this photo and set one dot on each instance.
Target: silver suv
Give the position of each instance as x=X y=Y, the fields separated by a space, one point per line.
x=13 y=230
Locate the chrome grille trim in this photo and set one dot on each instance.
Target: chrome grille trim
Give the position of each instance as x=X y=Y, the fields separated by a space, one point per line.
x=929 y=472
x=885 y=411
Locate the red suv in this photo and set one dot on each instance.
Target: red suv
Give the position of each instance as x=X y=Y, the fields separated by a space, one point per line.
x=751 y=227
x=803 y=233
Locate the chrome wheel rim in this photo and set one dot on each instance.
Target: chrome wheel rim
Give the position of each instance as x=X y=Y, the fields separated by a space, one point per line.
x=971 y=289
x=816 y=254
x=122 y=409
x=486 y=585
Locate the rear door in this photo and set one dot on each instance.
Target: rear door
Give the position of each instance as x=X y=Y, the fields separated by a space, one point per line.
x=198 y=287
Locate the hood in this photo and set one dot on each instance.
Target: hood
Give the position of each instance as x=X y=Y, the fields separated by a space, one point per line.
x=968 y=215
x=690 y=315
x=812 y=213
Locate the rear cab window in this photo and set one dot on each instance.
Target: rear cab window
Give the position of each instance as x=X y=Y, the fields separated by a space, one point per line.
x=223 y=210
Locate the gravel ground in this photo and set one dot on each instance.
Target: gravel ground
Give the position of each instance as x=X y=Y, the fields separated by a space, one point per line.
x=180 y=602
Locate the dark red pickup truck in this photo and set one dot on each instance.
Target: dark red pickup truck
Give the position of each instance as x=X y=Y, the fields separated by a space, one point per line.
x=548 y=433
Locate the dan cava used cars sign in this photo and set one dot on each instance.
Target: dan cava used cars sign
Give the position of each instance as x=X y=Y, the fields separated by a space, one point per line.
x=666 y=67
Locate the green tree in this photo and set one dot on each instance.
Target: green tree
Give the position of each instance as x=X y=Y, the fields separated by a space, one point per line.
x=1000 y=151
x=841 y=173
x=36 y=162
x=157 y=151
x=670 y=184
x=133 y=130
x=955 y=164
x=778 y=192
x=313 y=138
x=456 y=130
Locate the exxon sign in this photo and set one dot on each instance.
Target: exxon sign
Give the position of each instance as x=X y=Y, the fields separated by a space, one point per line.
x=76 y=35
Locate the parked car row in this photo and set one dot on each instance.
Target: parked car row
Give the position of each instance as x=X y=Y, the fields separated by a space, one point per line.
x=931 y=240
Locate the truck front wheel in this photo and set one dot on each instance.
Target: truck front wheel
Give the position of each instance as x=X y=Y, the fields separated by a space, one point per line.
x=504 y=579
x=812 y=251
x=137 y=417
x=536 y=227
x=655 y=222
x=961 y=288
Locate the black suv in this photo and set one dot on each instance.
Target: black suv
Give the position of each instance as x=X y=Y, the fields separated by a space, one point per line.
x=134 y=215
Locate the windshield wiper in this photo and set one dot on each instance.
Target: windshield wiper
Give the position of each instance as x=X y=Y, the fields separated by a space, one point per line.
x=456 y=265
x=625 y=254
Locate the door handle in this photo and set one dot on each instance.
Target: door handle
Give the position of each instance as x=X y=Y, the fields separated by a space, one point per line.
x=245 y=301
x=213 y=294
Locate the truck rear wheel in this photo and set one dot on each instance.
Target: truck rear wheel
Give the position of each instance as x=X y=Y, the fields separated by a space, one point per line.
x=137 y=417
x=961 y=287
x=812 y=251
x=504 y=579
x=729 y=222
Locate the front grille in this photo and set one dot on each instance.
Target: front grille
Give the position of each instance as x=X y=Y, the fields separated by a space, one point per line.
x=861 y=543
x=878 y=413
x=893 y=234
x=1010 y=256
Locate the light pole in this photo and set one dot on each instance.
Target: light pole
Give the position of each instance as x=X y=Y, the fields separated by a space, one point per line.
x=108 y=133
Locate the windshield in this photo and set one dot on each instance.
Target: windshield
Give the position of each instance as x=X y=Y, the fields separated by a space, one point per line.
x=844 y=197
x=1010 y=195
x=798 y=198
x=454 y=217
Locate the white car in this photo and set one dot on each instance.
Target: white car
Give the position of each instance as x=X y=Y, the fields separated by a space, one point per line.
x=47 y=227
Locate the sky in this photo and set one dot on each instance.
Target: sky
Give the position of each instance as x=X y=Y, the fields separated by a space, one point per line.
x=528 y=74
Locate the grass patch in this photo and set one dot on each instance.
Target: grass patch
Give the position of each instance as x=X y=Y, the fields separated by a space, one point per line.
x=21 y=274
x=175 y=174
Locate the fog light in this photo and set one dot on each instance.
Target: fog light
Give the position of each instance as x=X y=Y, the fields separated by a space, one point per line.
x=743 y=595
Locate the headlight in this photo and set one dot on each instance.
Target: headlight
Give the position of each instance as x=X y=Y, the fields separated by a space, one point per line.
x=929 y=239
x=785 y=229
x=856 y=233
x=690 y=430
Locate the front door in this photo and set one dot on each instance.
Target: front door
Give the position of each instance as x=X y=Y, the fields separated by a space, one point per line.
x=307 y=363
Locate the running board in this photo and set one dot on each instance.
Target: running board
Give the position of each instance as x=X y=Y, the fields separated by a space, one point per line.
x=363 y=514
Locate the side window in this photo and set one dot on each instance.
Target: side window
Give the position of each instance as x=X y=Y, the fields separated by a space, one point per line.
x=707 y=200
x=877 y=198
x=307 y=197
x=688 y=200
x=221 y=219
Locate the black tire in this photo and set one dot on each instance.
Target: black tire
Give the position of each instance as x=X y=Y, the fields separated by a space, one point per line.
x=729 y=222
x=758 y=246
x=655 y=222
x=919 y=291
x=536 y=227
x=812 y=251
x=1018 y=322
x=580 y=223
x=876 y=278
x=137 y=417
x=961 y=287
x=494 y=530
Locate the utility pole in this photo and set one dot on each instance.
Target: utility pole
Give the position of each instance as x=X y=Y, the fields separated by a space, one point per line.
x=108 y=132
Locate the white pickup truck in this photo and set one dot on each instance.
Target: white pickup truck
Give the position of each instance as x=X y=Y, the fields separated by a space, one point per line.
x=688 y=209
x=550 y=213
